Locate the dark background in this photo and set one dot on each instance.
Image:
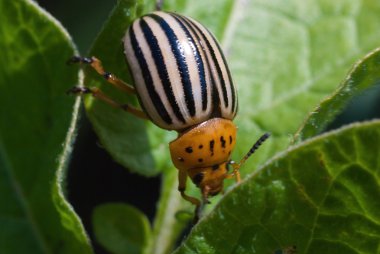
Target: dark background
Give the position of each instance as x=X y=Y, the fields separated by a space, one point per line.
x=93 y=177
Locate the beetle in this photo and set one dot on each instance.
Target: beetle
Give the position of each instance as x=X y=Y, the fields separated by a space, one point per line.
x=183 y=83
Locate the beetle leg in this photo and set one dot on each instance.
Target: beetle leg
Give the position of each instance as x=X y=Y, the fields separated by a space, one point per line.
x=235 y=174
x=97 y=93
x=182 y=177
x=205 y=194
x=96 y=64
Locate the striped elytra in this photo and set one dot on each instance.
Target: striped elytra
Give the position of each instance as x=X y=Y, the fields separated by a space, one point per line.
x=179 y=71
x=183 y=83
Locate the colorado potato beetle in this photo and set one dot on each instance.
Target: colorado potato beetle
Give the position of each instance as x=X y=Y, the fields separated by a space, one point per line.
x=183 y=83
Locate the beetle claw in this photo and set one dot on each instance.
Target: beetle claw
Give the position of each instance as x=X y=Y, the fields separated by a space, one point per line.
x=78 y=90
x=79 y=59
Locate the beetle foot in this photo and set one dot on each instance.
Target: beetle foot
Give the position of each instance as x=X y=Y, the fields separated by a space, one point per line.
x=78 y=90
x=80 y=59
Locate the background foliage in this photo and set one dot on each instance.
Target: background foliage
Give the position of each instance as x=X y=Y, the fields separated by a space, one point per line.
x=288 y=61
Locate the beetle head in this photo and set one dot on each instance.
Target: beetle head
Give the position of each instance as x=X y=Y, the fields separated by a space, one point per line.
x=209 y=179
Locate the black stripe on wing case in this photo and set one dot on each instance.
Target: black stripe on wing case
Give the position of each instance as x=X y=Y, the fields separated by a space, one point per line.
x=198 y=60
x=232 y=88
x=159 y=106
x=161 y=67
x=216 y=110
x=180 y=58
x=215 y=60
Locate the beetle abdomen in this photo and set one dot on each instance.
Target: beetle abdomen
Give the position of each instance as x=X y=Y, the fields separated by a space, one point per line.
x=179 y=71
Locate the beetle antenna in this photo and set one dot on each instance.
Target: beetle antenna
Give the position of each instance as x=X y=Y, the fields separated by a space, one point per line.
x=236 y=166
x=258 y=143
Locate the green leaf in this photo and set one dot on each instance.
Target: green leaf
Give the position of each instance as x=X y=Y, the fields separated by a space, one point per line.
x=122 y=134
x=364 y=75
x=167 y=224
x=322 y=196
x=285 y=57
x=36 y=133
x=121 y=228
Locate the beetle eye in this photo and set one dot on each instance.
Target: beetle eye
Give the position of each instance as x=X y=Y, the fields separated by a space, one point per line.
x=197 y=179
x=229 y=165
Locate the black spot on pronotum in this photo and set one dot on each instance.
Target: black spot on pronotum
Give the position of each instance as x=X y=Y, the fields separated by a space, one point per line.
x=181 y=159
x=230 y=139
x=200 y=160
x=223 y=141
x=197 y=179
x=215 y=167
x=212 y=143
x=200 y=146
x=189 y=149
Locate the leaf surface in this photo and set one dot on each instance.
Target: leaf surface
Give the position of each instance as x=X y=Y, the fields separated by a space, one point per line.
x=122 y=134
x=364 y=76
x=37 y=122
x=322 y=196
x=121 y=228
x=284 y=57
